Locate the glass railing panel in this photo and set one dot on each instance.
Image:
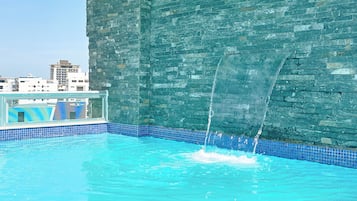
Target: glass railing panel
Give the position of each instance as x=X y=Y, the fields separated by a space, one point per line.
x=55 y=107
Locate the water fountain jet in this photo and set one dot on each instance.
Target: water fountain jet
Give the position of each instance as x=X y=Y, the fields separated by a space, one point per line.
x=270 y=91
x=210 y=110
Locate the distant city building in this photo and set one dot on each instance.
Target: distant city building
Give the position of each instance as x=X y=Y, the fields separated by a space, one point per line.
x=7 y=84
x=60 y=72
x=70 y=78
x=35 y=84
x=63 y=77
x=77 y=81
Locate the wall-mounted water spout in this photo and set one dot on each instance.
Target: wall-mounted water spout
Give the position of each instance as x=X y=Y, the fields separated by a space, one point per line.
x=270 y=91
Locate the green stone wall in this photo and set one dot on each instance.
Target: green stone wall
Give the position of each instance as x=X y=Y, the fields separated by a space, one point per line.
x=119 y=49
x=158 y=59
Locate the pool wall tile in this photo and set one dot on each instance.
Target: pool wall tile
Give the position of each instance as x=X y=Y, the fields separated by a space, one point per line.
x=195 y=137
x=128 y=129
x=220 y=140
x=144 y=130
x=124 y=129
x=53 y=131
x=325 y=155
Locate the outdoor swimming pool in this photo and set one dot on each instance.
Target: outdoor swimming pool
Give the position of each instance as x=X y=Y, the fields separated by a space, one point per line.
x=103 y=167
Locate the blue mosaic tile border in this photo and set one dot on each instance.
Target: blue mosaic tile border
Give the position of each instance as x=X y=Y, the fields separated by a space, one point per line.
x=223 y=141
x=241 y=143
x=177 y=135
x=325 y=155
x=52 y=131
x=128 y=129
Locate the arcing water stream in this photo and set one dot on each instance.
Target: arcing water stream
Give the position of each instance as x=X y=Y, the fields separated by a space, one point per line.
x=210 y=110
x=214 y=157
x=270 y=91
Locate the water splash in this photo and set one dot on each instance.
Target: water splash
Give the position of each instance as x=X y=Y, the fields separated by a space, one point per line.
x=213 y=157
x=270 y=91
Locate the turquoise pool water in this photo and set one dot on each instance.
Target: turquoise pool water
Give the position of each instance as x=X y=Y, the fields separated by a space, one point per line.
x=108 y=167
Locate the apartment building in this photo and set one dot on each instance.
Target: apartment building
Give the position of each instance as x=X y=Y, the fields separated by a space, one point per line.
x=35 y=84
x=60 y=71
x=77 y=81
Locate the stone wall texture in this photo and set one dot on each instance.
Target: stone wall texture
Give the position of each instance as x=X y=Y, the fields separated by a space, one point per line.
x=288 y=65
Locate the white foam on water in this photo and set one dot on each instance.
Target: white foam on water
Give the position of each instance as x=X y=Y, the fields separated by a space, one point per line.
x=213 y=157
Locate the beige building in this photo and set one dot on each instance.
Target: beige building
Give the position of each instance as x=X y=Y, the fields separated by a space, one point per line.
x=59 y=72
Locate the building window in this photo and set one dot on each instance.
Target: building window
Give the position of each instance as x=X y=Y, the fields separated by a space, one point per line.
x=72 y=115
x=21 y=117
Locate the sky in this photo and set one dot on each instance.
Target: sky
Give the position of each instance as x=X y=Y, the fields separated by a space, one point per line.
x=37 y=33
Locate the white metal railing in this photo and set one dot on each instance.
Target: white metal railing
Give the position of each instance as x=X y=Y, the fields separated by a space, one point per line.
x=11 y=100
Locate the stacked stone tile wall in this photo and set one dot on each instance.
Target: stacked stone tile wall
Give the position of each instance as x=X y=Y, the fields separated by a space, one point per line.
x=158 y=59
x=116 y=46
